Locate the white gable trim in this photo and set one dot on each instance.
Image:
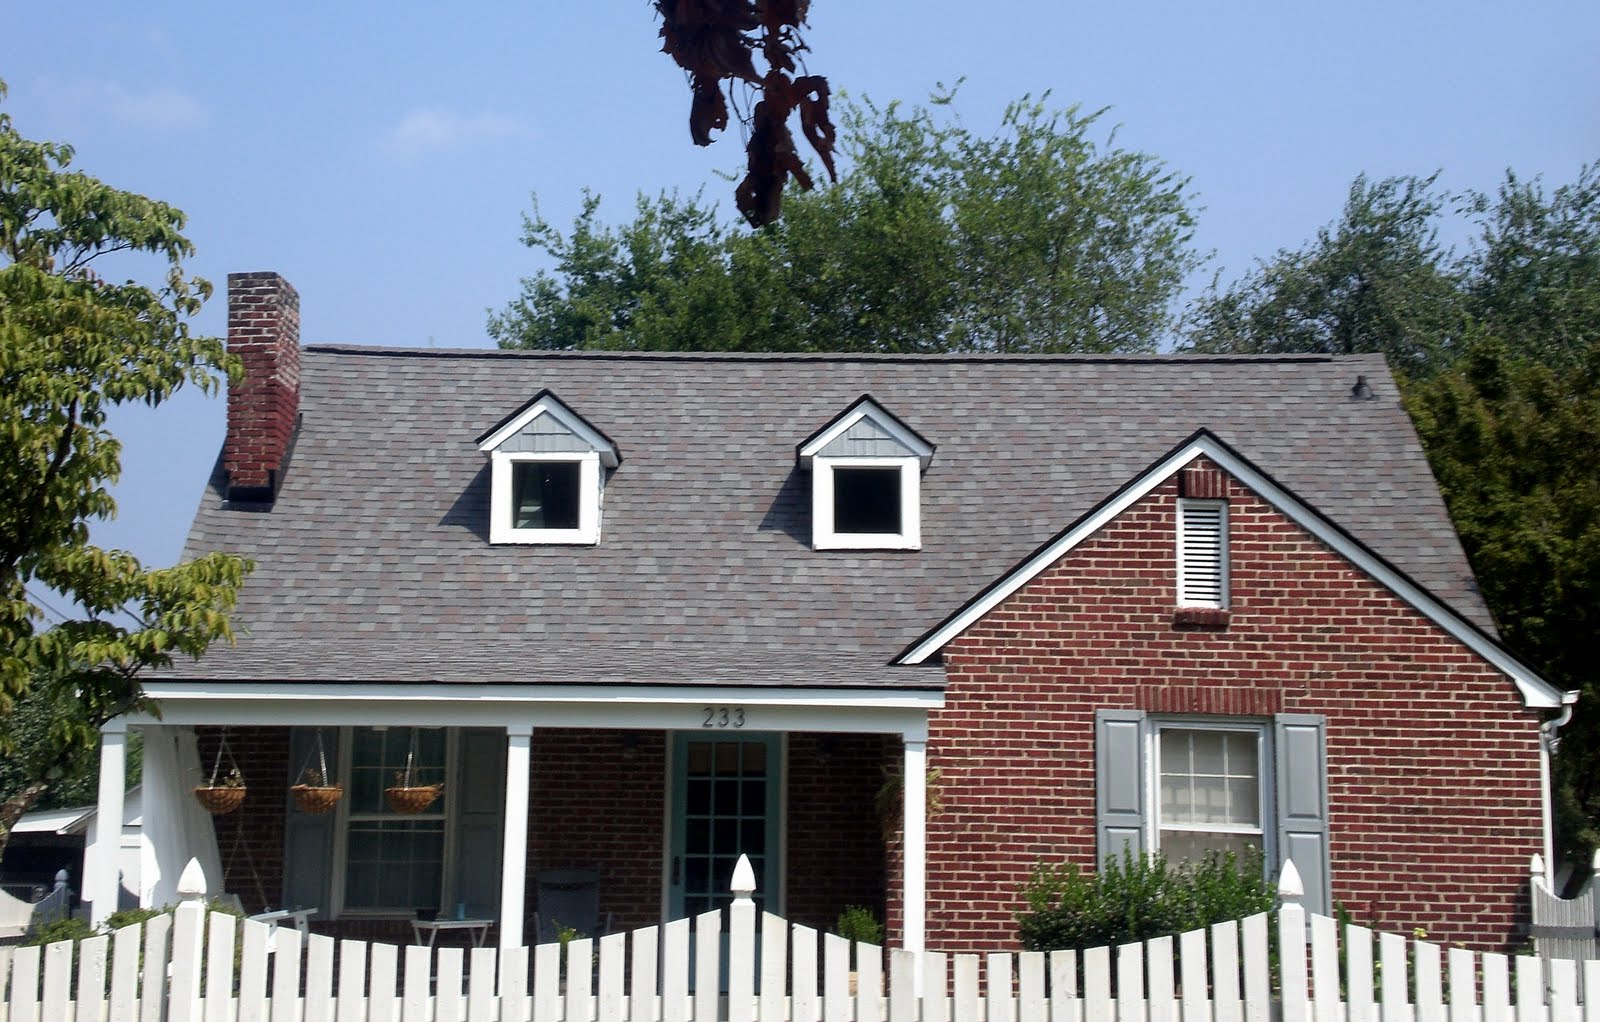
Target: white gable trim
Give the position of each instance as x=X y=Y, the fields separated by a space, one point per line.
x=1536 y=692
x=570 y=420
x=870 y=410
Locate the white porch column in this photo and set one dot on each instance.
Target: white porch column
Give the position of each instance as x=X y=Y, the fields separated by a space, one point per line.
x=100 y=859
x=914 y=849
x=514 y=855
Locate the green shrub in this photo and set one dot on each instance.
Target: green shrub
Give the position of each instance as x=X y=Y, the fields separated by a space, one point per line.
x=859 y=923
x=68 y=928
x=1137 y=897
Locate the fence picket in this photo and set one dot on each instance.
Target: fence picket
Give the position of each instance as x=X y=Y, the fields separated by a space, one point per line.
x=1130 y=983
x=285 y=976
x=674 y=972
x=998 y=992
x=612 y=1004
x=1394 y=995
x=183 y=999
x=869 y=982
x=352 y=981
x=1192 y=976
x=935 y=986
x=1430 y=986
x=318 y=1006
x=382 y=1005
x=124 y=1006
x=580 y=978
x=804 y=1006
x=836 y=1006
x=1159 y=1003
x=1358 y=974
x=1031 y=1003
x=153 y=994
x=1225 y=1003
x=1097 y=984
x=1563 y=990
x=741 y=956
x=1591 y=991
x=1463 y=985
x=1064 y=1003
x=253 y=972
x=774 y=967
x=419 y=968
x=967 y=1007
x=547 y=981
x=218 y=989
x=1293 y=974
x=1324 y=969
x=1530 y=990
x=91 y=993
x=1257 y=984
x=902 y=987
x=481 y=1005
x=24 y=985
x=642 y=1002
x=447 y=971
x=57 y=980
x=1496 y=989
x=707 y=967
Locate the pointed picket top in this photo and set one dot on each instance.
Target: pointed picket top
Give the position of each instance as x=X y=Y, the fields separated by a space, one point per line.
x=192 y=882
x=1290 y=887
x=744 y=879
x=1536 y=866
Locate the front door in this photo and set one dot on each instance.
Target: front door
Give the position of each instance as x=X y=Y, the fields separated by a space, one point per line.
x=725 y=802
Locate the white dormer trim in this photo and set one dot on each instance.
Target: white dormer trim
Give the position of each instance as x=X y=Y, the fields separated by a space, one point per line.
x=547 y=403
x=502 y=468
x=913 y=456
x=1537 y=693
x=866 y=408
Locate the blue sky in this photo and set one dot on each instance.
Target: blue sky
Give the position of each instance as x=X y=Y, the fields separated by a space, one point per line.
x=380 y=155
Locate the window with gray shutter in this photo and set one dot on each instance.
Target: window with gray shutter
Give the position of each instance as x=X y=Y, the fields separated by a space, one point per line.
x=1119 y=756
x=308 y=837
x=1302 y=784
x=1202 y=553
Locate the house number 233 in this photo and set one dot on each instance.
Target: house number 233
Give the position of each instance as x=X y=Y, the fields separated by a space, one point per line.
x=723 y=716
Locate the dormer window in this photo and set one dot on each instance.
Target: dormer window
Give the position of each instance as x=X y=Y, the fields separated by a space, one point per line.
x=547 y=470
x=866 y=480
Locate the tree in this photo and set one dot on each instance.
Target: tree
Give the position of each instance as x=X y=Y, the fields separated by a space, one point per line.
x=1375 y=281
x=1499 y=352
x=73 y=346
x=935 y=238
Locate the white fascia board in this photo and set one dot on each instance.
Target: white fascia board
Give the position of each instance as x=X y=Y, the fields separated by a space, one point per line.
x=1537 y=693
x=882 y=419
x=671 y=708
x=569 y=419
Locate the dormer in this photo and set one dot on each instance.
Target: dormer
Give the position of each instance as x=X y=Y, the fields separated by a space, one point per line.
x=866 y=480
x=547 y=472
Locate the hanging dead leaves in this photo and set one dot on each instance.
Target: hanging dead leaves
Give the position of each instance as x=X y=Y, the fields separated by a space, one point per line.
x=716 y=41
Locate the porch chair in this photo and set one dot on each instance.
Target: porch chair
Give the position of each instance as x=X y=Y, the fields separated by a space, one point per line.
x=568 y=898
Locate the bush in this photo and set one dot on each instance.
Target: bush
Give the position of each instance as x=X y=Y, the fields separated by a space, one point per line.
x=1136 y=898
x=68 y=928
x=859 y=923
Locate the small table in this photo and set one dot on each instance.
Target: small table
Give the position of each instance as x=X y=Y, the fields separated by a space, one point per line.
x=296 y=917
x=479 y=929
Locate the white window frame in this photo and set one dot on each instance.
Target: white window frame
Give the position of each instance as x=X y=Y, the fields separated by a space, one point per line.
x=823 y=534
x=1265 y=787
x=1224 y=577
x=589 y=491
x=341 y=832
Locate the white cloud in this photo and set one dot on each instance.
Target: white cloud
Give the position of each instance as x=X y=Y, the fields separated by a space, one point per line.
x=432 y=128
x=160 y=109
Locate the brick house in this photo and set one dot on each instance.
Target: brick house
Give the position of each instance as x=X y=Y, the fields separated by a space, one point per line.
x=641 y=613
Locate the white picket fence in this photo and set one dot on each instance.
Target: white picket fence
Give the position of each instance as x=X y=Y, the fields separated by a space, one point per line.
x=1224 y=974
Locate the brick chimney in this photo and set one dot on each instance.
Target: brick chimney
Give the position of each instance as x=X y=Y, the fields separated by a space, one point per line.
x=264 y=407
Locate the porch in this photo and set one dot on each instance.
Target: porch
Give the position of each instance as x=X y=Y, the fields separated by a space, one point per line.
x=654 y=793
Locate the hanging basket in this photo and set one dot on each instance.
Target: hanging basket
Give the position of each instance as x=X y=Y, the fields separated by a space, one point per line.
x=219 y=800
x=413 y=799
x=316 y=798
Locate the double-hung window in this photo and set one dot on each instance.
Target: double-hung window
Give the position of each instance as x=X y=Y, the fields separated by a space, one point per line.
x=394 y=862
x=1209 y=789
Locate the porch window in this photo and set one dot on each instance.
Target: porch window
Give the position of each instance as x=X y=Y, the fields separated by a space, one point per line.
x=394 y=862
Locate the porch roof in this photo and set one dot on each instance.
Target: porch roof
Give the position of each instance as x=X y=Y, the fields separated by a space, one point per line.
x=374 y=561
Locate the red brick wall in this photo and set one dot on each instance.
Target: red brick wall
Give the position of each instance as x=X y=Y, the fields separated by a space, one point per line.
x=264 y=332
x=251 y=838
x=836 y=839
x=1433 y=763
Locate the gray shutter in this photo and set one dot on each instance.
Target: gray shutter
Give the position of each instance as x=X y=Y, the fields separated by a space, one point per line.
x=308 y=837
x=481 y=791
x=1119 y=770
x=1302 y=809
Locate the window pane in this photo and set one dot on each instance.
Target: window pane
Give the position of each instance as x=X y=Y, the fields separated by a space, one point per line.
x=393 y=864
x=866 y=500
x=544 y=494
x=1209 y=777
x=1192 y=845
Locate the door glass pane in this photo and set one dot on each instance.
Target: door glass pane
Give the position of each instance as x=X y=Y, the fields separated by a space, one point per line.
x=725 y=815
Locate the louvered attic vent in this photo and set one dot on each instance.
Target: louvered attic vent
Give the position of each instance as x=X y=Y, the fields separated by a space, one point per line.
x=1202 y=553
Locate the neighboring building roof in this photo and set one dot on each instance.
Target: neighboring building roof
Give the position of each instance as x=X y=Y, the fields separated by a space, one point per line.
x=374 y=563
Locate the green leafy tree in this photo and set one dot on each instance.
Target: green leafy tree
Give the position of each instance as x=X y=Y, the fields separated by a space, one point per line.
x=74 y=345
x=935 y=238
x=1377 y=280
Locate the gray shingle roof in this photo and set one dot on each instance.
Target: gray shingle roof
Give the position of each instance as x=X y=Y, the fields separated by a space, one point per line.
x=374 y=563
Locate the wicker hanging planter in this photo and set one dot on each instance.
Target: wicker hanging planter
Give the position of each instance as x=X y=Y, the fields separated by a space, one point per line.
x=407 y=796
x=317 y=793
x=223 y=792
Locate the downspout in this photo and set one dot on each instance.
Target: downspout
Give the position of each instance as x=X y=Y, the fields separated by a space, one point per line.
x=1548 y=741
